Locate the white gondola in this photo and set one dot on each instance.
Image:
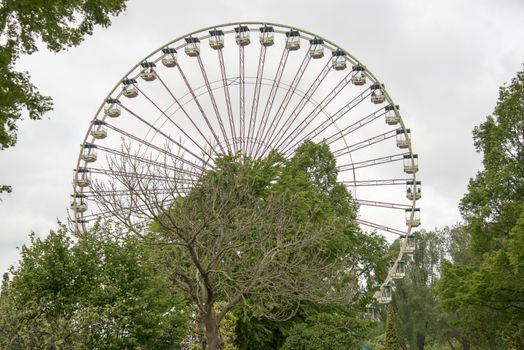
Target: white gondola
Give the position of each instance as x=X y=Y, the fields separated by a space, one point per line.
x=338 y=60
x=88 y=152
x=267 y=36
x=242 y=35
x=413 y=217
x=372 y=313
x=407 y=244
x=148 y=72
x=82 y=178
x=216 y=39
x=129 y=90
x=316 y=48
x=192 y=48
x=392 y=118
x=397 y=269
x=293 y=40
x=79 y=204
x=169 y=59
x=410 y=163
x=377 y=95
x=98 y=130
x=403 y=138
x=112 y=108
x=413 y=191
x=385 y=295
x=358 y=79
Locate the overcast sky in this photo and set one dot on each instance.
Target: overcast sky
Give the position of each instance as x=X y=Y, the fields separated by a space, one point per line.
x=442 y=61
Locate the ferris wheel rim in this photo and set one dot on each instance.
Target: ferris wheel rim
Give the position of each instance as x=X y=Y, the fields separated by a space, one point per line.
x=308 y=35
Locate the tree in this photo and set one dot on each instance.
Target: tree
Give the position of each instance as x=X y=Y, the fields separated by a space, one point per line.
x=390 y=339
x=59 y=25
x=268 y=234
x=485 y=287
x=89 y=294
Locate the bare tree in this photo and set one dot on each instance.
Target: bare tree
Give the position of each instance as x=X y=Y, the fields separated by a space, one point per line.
x=225 y=237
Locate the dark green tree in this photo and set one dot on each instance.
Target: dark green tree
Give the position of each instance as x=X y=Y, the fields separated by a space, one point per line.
x=59 y=24
x=485 y=287
x=390 y=339
x=89 y=294
x=267 y=235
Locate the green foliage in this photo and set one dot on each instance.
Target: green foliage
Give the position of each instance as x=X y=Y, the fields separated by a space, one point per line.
x=89 y=294
x=390 y=338
x=484 y=285
x=59 y=24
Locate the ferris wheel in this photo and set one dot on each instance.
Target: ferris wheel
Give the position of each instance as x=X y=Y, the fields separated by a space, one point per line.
x=251 y=87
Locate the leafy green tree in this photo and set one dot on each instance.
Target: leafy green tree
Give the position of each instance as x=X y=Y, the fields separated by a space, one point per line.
x=89 y=294
x=390 y=338
x=268 y=235
x=485 y=288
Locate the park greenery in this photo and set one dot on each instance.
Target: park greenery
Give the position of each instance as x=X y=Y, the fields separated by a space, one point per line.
x=259 y=254
x=24 y=24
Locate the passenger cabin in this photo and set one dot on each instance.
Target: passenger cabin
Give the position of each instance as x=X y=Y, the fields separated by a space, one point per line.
x=359 y=78
x=99 y=129
x=192 y=48
x=79 y=202
x=407 y=244
x=392 y=117
x=413 y=190
x=316 y=48
x=82 y=177
x=397 y=269
x=372 y=313
x=216 y=39
x=413 y=217
x=403 y=138
x=169 y=59
x=293 y=40
x=88 y=152
x=267 y=35
x=148 y=72
x=112 y=108
x=242 y=35
x=129 y=90
x=338 y=60
x=377 y=94
x=410 y=163
x=385 y=295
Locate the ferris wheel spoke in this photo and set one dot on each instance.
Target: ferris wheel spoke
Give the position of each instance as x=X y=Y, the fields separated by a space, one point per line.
x=271 y=98
x=383 y=204
x=371 y=162
x=377 y=182
x=301 y=104
x=242 y=98
x=268 y=138
x=256 y=97
x=128 y=174
x=167 y=137
x=213 y=102
x=151 y=146
x=228 y=99
x=355 y=126
x=366 y=143
x=197 y=102
x=381 y=227
x=129 y=156
x=315 y=112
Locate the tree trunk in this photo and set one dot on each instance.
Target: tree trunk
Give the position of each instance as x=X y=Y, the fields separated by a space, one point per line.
x=213 y=338
x=421 y=341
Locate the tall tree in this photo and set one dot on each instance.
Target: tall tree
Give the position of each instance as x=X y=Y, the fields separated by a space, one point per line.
x=486 y=287
x=390 y=339
x=59 y=24
x=89 y=294
x=269 y=234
